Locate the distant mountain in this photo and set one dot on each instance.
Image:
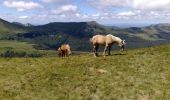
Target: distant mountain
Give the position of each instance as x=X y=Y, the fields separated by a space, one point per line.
x=77 y=34
x=79 y=29
x=28 y=25
x=152 y=32
x=18 y=24
x=22 y=25
x=54 y=34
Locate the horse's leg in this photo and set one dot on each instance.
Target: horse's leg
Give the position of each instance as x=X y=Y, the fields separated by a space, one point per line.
x=105 y=49
x=95 y=47
x=62 y=54
x=94 y=50
x=109 y=50
x=65 y=53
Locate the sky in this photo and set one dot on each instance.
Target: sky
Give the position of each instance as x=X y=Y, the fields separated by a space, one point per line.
x=110 y=12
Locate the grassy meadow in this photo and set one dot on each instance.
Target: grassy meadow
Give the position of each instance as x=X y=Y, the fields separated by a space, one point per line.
x=139 y=74
x=14 y=48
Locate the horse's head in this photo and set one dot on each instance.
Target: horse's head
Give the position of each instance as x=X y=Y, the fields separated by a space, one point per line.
x=69 y=49
x=69 y=52
x=59 y=52
x=122 y=45
x=59 y=49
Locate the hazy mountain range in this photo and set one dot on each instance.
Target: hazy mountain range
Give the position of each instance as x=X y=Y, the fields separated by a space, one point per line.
x=77 y=34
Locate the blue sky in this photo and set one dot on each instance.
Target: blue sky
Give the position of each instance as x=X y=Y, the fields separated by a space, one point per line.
x=103 y=11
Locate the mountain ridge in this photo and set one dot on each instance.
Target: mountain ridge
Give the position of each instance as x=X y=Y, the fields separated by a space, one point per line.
x=51 y=35
x=7 y=27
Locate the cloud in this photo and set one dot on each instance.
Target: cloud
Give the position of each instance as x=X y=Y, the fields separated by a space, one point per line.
x=133 y=4
x=151 y=4
x=48 y=1
x=105 y=3
x=23 y=17
x=128 y=13
x=97 y=10
x=132 y=9
x=52 y=1
x=68 y=9
x=22 y=5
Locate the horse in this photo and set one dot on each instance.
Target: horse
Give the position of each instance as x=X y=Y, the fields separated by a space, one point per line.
x=107 y=41
x=64 y=50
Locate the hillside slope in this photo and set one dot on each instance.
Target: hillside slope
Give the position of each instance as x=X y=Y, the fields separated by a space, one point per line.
x=152 y=33
x=7 y=27
x=141 y=74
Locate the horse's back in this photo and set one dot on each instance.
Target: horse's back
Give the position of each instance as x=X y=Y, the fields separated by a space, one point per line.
x=98 y=39
x=109 y=39
x=113 y=38
x=65 y=46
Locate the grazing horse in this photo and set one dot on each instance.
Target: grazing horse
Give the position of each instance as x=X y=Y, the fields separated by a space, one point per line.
x=107 y=41
x=64 y=50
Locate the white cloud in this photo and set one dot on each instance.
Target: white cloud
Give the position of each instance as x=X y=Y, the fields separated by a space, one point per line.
x=21 y=5
x=78 y=15
x=132 y=9
x=151 y=4
x=52 y=1
x=66 y=9
x=109 y=10
x=134 y=4
x=62 y=15
x=23 y=17
x=128 y=13
x=104 y=3
x=85 y=16
x=96 y=15
x=48 y=1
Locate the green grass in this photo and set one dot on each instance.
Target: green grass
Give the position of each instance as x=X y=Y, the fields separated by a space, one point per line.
x=23 y=47
x=15 y=45
x=141 y=74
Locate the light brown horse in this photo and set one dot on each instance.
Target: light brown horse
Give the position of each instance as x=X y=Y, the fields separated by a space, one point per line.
x=107 y=41
x=64 y=50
